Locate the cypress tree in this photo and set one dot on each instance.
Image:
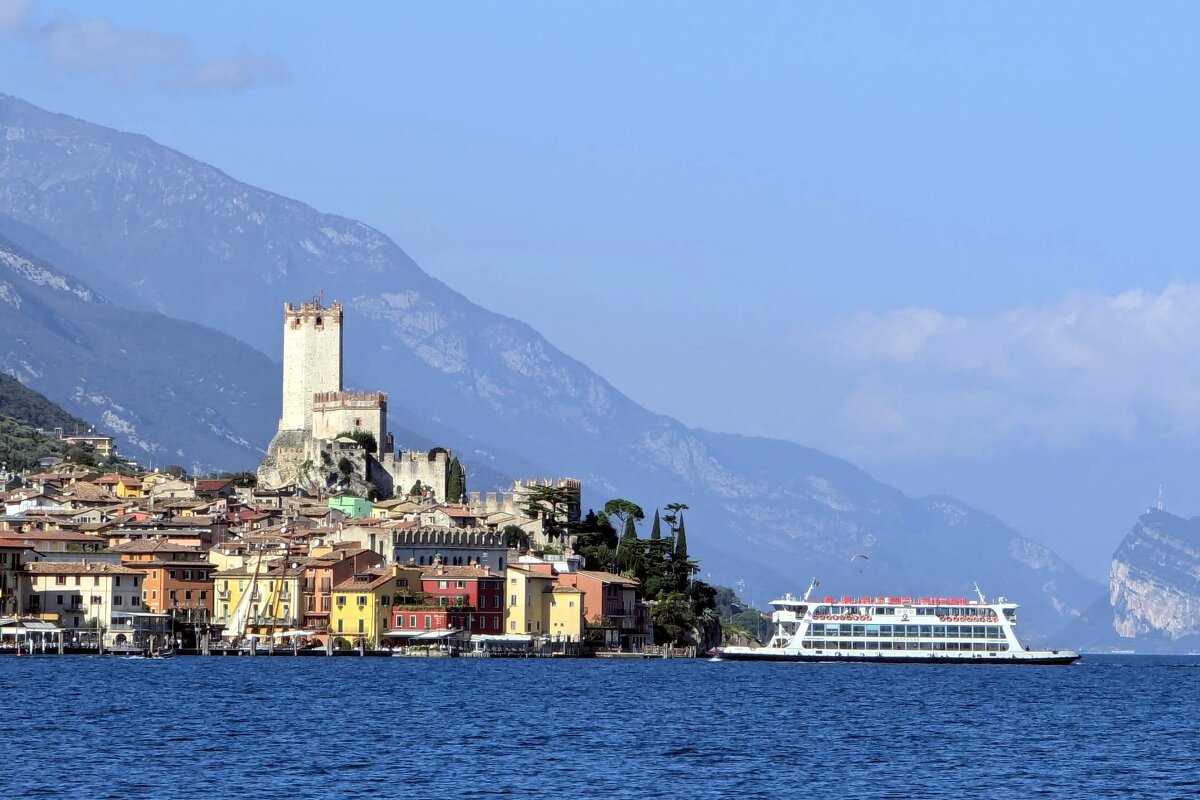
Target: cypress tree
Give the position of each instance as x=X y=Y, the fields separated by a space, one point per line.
x=681 y=553
x=456 y=489
x=656 y=529
x=627 y=548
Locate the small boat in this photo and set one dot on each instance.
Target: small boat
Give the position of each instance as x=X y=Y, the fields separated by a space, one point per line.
x=925 y=630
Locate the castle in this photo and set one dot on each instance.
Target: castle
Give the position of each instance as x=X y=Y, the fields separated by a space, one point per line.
x=330 y=439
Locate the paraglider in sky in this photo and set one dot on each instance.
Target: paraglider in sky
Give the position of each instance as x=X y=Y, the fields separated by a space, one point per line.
x=857 y=557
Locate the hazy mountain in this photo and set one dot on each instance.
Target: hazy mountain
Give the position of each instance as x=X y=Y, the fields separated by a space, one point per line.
x=170 y=391
x=188 y=240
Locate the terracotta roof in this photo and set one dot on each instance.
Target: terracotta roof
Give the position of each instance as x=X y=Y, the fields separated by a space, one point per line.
x=366 y=580
x=57 y=536
x=608 y=577
x=79 y=568
x=565 y=589
x=153 y=546
x=211 y=484
x=459 y=572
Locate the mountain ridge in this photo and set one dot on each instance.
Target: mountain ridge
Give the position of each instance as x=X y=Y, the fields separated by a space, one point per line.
x=766 y=510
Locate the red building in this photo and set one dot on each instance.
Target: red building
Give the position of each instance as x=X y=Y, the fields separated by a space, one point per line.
x=472 y=596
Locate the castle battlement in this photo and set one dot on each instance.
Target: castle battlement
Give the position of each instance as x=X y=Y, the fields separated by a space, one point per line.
x=329 y=401
x=314 y=311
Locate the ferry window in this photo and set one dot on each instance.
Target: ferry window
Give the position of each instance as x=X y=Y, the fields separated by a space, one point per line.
x=1004 y=645
x=978 y=646
x=858 y=630
x=885 y=630
x=926 y=631
x=926 y=645
x=939 y=645
x=977 y=632
x=885 y=645
x=952 y=631
x=939 y=631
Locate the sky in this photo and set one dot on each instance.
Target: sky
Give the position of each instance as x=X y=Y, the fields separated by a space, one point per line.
x=954 y=243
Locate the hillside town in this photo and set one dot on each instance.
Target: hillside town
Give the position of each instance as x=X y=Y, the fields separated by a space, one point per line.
x=338 y=545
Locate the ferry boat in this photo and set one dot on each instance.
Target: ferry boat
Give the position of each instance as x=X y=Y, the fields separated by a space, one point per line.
x=939 y=630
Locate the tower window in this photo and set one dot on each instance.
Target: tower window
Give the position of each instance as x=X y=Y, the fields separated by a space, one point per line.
x=319 y=322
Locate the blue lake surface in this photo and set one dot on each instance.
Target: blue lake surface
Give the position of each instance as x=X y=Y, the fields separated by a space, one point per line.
x=1108 y=726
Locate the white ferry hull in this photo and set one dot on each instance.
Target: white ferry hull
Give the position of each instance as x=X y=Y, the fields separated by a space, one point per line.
x=896 y=630
x=1034 y=658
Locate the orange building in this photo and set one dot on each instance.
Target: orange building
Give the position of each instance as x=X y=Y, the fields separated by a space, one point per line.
x=178 y=577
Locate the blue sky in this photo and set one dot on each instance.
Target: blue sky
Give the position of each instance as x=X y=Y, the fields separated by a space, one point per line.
x=952 y=242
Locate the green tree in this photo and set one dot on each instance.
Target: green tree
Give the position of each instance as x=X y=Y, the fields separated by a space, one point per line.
x=515 y=537
x=656 y=528
x=621 y=511
x=456 y=483
x=365 y=439
x=629 y=555
x=552 y=504
x=345 y=466
x=417 y=489
x=242 y=480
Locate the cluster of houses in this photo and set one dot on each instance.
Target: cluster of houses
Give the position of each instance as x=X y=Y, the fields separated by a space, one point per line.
x=123 y=563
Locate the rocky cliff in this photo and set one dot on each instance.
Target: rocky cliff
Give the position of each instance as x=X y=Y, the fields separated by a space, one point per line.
x=1154 y=584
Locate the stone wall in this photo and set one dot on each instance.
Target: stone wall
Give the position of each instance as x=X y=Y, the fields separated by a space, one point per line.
x=431 y=468
x=337 y=412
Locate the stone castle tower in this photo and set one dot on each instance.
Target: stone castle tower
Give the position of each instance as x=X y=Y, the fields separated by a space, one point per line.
x=308 y=450
x=316 y=410
x=312 y=359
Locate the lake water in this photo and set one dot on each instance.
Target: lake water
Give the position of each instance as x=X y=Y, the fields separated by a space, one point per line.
x=93 y=727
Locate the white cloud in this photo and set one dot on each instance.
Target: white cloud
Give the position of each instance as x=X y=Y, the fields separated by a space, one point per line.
x=99 y=46
x=230 y=74
x=102 y=48
x=923 y=383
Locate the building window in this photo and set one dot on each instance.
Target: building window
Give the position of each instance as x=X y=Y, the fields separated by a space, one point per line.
x=203 y=594
x=60 y=580
x=460 y=584
x=95 y=599
x=133 y=601
x=116 y=600
x=428 y=622
x=443 y=584
x=187 y=574
x=571 y=604
x=117 y=580
x=512 y=624
x=412 y=621
x=360 y=626
x=60 y=600
x=95 y=580
x=187 y=595
x=135 y=580
x=339 y=626
x=171 y=573
x=78 y=579
x=512 y=601
x=341 y=601
x=362 y=600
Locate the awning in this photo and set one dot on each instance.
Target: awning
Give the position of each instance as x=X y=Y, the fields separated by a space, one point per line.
x=28 y=624
x=421 y=633
x=292 y=634
x=500 y=638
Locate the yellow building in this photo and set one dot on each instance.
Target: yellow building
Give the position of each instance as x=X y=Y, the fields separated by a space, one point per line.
x=566 y=614
x=527 y=609
x=128 y=487
x=362 y=607
x=260 y=597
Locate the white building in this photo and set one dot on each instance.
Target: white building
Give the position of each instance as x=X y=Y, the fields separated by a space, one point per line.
x=77 y=593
